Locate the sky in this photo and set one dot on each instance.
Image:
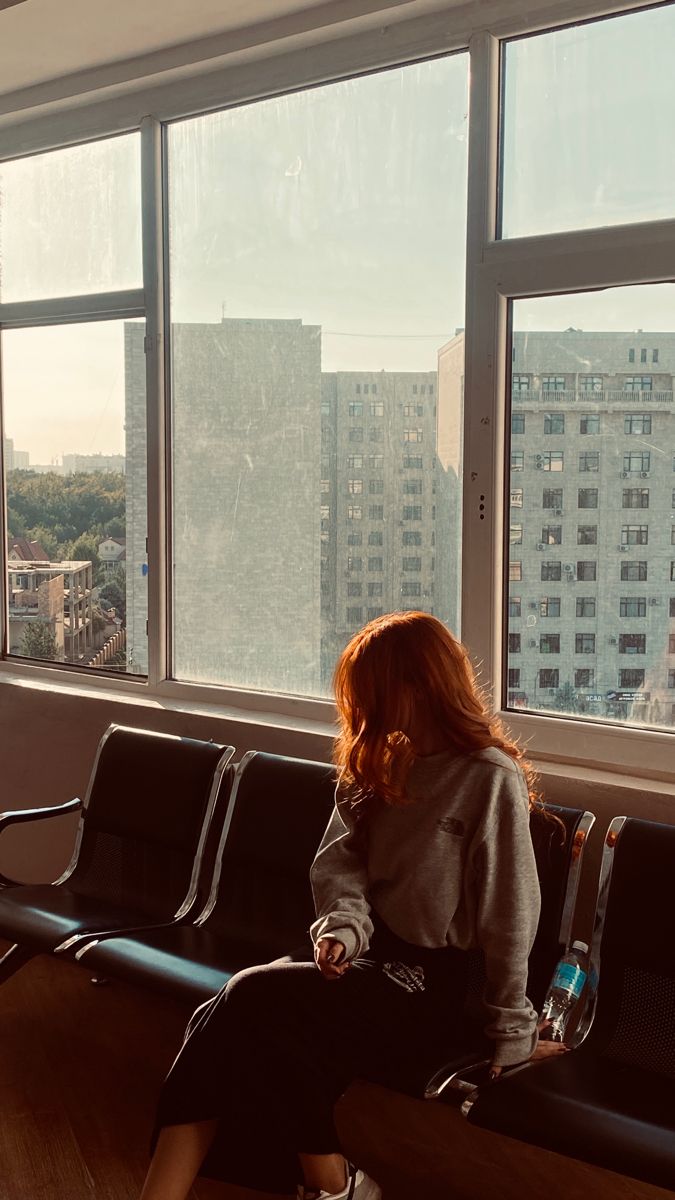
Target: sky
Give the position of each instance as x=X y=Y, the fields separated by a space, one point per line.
x=342 y=206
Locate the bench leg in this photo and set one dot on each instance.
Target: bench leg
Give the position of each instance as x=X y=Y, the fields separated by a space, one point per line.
x=13 y=960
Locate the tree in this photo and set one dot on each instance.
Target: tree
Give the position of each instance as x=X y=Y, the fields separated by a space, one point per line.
x=85 y=549
x=39 y=641
x=567 y=699
x=114 y=596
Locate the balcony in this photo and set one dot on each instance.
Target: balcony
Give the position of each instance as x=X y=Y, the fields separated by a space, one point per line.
x=588 y=399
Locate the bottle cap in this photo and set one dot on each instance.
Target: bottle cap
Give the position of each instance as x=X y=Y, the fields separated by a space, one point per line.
x=578 y=945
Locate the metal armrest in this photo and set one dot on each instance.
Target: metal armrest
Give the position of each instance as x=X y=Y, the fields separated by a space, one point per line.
x=80 y=942
x=461 y=1076
x=15 y=817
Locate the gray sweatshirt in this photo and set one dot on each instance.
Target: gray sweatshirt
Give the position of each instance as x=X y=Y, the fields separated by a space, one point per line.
x=454 y=867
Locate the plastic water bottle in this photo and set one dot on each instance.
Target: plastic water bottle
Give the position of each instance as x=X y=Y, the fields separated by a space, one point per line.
x=565 y=989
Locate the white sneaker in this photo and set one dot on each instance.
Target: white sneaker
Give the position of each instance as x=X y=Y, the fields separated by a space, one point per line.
x=359 y=1187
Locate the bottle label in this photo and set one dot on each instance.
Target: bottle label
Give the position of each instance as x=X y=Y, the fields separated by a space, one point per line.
x=569 y=978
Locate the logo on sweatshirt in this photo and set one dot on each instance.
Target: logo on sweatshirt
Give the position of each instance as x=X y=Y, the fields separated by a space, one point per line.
x=452 y=825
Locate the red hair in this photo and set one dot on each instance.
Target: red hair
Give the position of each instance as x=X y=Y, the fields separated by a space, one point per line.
x=401 y=667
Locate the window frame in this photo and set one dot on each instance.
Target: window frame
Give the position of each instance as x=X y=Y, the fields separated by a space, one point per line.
x=497 y=273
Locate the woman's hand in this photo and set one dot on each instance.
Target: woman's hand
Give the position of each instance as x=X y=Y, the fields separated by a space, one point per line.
x=541 y=1051
x=329 y=958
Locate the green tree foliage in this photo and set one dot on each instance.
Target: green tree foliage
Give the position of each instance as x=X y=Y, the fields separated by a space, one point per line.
x=114 y=595
x=38 y=641
x=65 y=507
x=567 y=699
x=85 y=549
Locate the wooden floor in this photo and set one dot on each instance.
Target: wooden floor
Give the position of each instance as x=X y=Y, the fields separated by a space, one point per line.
x=80 y=1068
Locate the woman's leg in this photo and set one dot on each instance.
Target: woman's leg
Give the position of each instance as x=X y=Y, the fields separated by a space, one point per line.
x=178 y=1156
x=324 y=1172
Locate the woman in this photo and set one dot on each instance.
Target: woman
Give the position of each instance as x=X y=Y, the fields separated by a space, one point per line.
x=427 y=855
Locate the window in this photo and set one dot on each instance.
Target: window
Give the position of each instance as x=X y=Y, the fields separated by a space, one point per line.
x=412 y=512
x=375 y=537
x=584 y=677
x=514 y=677
x=549 y=606
x=589 y=423
x=671 y=643
x=655 y=356
x=376 y=434
x=671 y=678
x=376 y=486
x=548 y=677
x=634 y=535
x=324 y=511
x=584 y=643
x=552 y=460
x=587 y=535
x=375 y=587
x=517 y=422
x=636 y=460
x=587 y=498
x=355 y=615
x=375 y=563
x=631 y=679
x=553 y=383
x=515 y=571
x=356 y=433
x=589 y=460
x=413 y=410
x=376 y=462
x=632 y=643
x=590 y=383
x=632 y=606
x=637 y=423
x=372 y=613
x=355 y=462
x=354 y=486
x=516 y=535
x=517 y=460
x=520 y=383
x=376 y=512
x=587 y=571
x=366 y=389
x=354 y=564
x=412 y=462
x=549 y=643
x=325 y=486
x=551 y=570
x=412 y=564
x=356 y=408
x=672 y=606
x=514 y=606
x=377 y=408
x=552 y=498
x=585 y=606
x=516 y=497
x=354 y=539
x=354 y=589
x=551 y=535
x=643 y=355
x=514 y=643
x=412 y=435
x=631 y=356
x=411 y=587
x=354 y=512
x=634 y=571
x=637 y=383
x=553 y=422
x=672 y=570
x=412 y=487
x=411 y=537
x=635 y=498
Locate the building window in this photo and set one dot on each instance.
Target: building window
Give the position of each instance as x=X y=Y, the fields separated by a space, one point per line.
x=585 y=606
x=672 y=571
x=655 y=356
x=515 y=606
x=590 y=383
x=372 y=613
x=354 y=564
x=637 y=423
x=355 y=615
x=412 y=487
x=376 y=462
x=671 y=677
x=354 y=589
x=584 y=643
x=516 y=497
x=411 y=537
x=632 y=606
x=551 y=535
x=412 y=461
x=515 y=571
x=553 y=383
x=632 y=643
x=637 y=383
x=589 y=460
x=412 y=512
x=553 y=422
x=587 y=498
x=548 y=677
x=551 y=460
x=552 y=498
x=634 y=571
x=514 y=643
x=376 y=512
x=549 y=643
x=634 y=535
x=589 y=423
x=584 y=677
x=551 y=570
x=413 y=410
x=375 y=587
x=376 y=434
x=671 y=643
x=672 y=606
x=377 y=408
x=635 y=498
x=514 y=677
x=637 y=460
x=376 y=486
x=412 y=564
x=411 y=587
x=631 y=678
x=517 y=460
x=325 y=486
x=517 y=422
x=587 y=571
x=355 y=462
x=375 y=563
x=356 y=434
x=354 y=539
x=516 y=535
x=366 y=389
x=354 y=512
x=354 y=486
x=643 y=356
x=412 y=435
x=520 y=383
x=376 y=538
x=549 y=606
x=631 y=356
x=356 y=408
x=324 y=511
x=587 y=535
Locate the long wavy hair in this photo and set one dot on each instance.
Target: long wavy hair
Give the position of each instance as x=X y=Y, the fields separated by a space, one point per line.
x=402 y=670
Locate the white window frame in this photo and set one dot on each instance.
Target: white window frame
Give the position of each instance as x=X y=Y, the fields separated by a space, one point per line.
x=497 y=271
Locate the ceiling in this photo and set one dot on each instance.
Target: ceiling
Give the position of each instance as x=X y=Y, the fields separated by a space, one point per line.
x=43 y=40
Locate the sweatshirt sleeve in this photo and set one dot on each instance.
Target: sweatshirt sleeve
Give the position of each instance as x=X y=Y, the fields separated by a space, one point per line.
x=339 y=882
x=507 y=915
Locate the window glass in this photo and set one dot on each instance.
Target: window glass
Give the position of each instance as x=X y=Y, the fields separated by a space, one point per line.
x=613 y=557
x=76 y=494
x=71 y=221
x=316 y=258
x=583 y=126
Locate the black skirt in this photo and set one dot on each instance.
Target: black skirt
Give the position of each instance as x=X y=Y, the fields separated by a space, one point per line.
x=271 y=1053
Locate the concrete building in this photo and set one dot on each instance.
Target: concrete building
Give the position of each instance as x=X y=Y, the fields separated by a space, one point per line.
x=56 y=594
x=15 y=460
x=112 y=552
x=90 y=464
